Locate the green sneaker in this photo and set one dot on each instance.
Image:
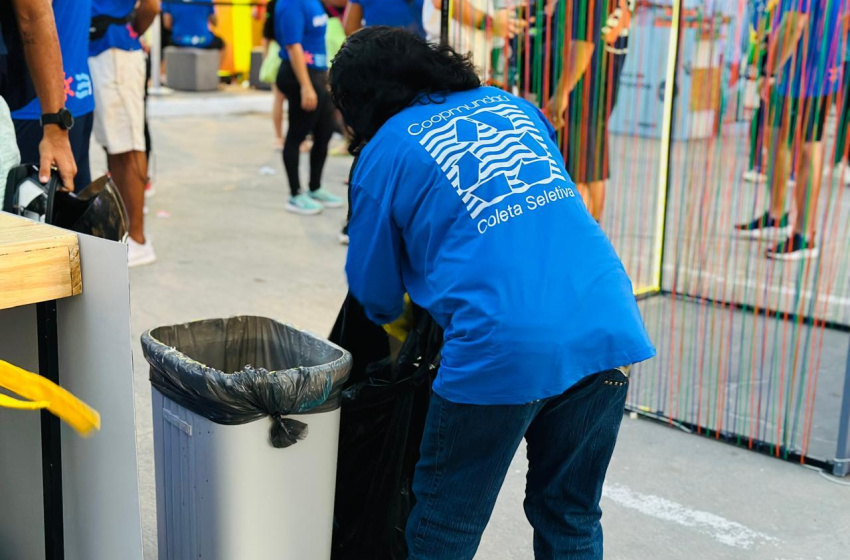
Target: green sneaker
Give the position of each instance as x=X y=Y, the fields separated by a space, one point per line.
x=304 y=205
x=327 y=199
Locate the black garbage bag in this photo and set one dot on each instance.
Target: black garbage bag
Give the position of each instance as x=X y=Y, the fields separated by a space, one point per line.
x=237 y=370
x=384 y=405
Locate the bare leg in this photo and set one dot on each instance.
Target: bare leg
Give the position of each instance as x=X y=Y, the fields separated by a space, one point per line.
x=778 y=170
x=129 y=172
x=597 y=197
x=277 y=114
x=584 y=191
x=809 y=178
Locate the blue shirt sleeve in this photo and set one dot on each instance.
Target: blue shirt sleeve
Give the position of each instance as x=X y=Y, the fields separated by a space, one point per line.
x=289 y=23
x=374 y=259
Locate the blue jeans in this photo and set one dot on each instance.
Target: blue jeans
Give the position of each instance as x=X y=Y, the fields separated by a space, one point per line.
x=467 y=450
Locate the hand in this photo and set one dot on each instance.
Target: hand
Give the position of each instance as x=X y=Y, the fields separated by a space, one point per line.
x=506 y=24
x=620 y=20
x=309 y=99
x=764 y=85
x=550 y=7
x=55 y=151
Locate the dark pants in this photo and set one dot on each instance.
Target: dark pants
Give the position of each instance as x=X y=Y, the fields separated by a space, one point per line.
x=467 y=450
x=757 y=138
x=842 y=146
x=301 y=123
x=29 y=135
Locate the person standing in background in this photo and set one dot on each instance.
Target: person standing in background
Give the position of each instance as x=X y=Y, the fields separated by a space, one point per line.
x=587 y=92
x=406 y=14
x=271 y=48
x=41 y=54
x=73 y=30
x=841 y=162
x=117 y=64
x=300 y=27
x=804 y=59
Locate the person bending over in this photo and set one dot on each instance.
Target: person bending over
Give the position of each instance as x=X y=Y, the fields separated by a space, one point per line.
x=461 y=200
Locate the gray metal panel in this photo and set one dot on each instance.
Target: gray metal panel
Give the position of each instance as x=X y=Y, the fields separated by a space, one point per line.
x=102 y=512
x=21 y=511
x=101 y=491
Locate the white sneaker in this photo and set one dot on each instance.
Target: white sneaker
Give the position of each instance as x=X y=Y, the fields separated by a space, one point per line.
x=754 y=176
x=840 y=170
x=138 y=254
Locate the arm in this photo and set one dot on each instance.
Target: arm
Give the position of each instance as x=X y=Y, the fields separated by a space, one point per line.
x=577 y=61
x=145 y=14
x=374 y=259
x=503 y=23
x=352 y=20
x=309 y=99
x=213 y=18
x=44 y=59
x=784 y=41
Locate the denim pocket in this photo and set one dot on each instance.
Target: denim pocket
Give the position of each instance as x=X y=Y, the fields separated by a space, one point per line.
x=617 y=377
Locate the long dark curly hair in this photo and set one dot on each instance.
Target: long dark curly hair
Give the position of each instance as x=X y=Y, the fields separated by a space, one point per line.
x=381 y=70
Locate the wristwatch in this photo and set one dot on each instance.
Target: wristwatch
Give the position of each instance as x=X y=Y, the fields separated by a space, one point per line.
x=63 y=119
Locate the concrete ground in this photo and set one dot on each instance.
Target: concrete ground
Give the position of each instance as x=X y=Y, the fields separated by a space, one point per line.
x=226 y=246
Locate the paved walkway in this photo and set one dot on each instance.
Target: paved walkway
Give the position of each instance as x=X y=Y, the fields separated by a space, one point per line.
x=226 y=247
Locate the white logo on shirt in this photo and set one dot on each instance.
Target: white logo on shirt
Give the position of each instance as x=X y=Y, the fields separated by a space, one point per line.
x=491 y=154
x=319 y=21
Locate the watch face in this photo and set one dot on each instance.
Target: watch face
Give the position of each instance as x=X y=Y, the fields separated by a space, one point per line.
x=67 y=118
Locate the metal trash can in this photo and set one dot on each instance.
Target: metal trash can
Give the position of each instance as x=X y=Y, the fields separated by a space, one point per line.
x=230 y=485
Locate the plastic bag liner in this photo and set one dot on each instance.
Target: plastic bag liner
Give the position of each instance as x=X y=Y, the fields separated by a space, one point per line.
x=237 y=370
x=384 y=406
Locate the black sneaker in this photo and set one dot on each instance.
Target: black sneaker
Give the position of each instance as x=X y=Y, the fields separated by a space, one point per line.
x=795 y=248
x=765 y=226
x=343 y=235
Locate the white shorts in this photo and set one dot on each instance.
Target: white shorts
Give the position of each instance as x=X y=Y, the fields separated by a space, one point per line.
x=118 y=77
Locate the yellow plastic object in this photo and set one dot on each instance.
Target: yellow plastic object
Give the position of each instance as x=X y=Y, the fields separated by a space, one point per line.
x=42 y=393
x=399 y=328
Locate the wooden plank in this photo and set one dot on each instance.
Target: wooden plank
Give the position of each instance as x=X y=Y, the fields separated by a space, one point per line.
x=37 y=262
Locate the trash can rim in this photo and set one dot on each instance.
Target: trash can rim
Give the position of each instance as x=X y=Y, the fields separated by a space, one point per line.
x=339 y=364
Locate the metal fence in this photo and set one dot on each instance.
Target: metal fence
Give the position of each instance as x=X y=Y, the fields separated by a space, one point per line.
x=665 y=116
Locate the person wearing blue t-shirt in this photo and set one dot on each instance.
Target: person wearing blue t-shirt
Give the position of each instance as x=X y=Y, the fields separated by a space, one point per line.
x=118 y=72
x=803 y=68
x=72 y=17
x=189 y=24
x=33 y=68
x=303 y=78
x=842 y=148
x=461 y=200
x=406 y=14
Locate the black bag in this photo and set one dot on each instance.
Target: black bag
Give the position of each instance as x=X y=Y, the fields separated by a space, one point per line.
x=96 y=210
x=100 y=24
x=384 y=406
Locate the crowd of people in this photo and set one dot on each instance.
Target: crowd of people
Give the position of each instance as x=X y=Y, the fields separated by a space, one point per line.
x=796 y=50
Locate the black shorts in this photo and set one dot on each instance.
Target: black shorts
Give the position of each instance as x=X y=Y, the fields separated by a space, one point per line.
x=29 y=133
x=591 y=102
x=806 y=112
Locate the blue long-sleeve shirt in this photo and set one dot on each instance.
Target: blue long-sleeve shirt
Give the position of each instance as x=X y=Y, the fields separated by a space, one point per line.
x=466 y=206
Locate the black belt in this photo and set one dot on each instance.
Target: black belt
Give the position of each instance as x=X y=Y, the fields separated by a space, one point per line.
x=100 y=24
